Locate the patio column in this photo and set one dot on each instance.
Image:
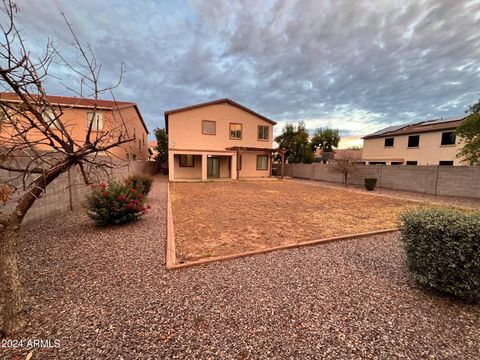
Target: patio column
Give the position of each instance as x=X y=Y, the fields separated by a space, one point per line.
x=171 y=166
x=204 y=167
x=282 y=156
x=233 y=167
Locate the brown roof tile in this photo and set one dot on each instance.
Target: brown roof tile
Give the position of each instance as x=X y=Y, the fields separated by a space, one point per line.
x=81 y=102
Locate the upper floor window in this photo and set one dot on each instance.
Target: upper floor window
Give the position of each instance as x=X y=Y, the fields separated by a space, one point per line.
x=235 y=131
x=97 y=121
x=413 y=141
x=389 y=142
x=134 y=133
x=139 y=145
x=143 y=138
x=50 y=118
x=209 y=127
x=448 y=138
x=262 y=133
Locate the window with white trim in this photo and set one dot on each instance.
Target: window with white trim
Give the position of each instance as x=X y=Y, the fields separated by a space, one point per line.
x=97 y=121
x=50 y=117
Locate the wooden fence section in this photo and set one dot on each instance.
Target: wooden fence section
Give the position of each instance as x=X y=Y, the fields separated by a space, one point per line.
x=462 y=181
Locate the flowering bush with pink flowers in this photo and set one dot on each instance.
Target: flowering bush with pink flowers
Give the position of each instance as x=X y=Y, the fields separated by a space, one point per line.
x=115 y=202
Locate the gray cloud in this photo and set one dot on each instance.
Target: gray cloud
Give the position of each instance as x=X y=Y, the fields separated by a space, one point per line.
x=357 y=65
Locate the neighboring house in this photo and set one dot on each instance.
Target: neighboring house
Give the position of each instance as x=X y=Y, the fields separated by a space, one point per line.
x=152 y=150
x=431 y=142
x=115 y=116
x=351 y=154
x=218 y=139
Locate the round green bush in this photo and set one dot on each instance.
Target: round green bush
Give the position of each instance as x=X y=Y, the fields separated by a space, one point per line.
x=370 y=183
x=443 y=250
x=142 y=183
x=115 y=203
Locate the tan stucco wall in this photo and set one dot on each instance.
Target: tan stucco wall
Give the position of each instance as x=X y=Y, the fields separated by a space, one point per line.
x=249 y=166
x=185 y=128
x=429 y=152
x=185 y=137
x=188 y=172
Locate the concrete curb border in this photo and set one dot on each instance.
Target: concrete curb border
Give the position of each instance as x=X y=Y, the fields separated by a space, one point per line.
x=171 y=257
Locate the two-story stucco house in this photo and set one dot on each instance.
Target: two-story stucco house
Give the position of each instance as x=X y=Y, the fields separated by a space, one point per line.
x=77 y=113
x=431 y=142
x=220 y=139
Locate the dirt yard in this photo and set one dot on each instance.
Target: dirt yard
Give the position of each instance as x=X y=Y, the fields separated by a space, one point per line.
x=223 y=218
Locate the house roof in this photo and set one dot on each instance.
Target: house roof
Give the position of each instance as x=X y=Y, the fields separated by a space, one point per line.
x=349 y=153
x=81 y=103
x=251 y=148
x=415 y=128
x=152 y=143
x=215 y=102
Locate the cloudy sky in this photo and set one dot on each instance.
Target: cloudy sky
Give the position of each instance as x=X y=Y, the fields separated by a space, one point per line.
x=354 y=65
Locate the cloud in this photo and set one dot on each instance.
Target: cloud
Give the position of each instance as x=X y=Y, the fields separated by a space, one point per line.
x=356 y=66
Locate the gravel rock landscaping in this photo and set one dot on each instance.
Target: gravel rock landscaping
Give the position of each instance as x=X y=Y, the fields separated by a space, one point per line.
x=105 y=293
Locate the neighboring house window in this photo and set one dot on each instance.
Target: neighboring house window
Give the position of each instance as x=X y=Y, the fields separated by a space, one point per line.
x=389 y=142
x=412 y=162
x=134 y=133
x=50 y=118
x=143 y=138
x=209 y=127
x=186 y=161
x=97 y=122
x=139 y=145
x=413 y=141
x=262 y=133
x=396 y=163
x=448 y=138
x=235 y=131
x=445 y=163
x=262 y=162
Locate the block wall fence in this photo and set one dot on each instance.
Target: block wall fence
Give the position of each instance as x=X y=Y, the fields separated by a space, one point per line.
x=462 y=181
x=67 y=192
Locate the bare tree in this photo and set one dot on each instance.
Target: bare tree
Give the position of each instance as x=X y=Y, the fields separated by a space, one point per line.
x=37 y=145
x=344 y=164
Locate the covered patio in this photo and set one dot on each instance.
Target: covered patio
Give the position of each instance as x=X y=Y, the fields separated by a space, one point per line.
x=232 y=164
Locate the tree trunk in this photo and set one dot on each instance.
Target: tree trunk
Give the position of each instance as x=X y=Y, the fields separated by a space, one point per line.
x=12 y=290
x=11 y=287
x=345 y=176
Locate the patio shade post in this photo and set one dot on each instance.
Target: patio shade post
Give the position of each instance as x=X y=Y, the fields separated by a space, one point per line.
x=270 y=159
x=282 y=156
x=238 y=164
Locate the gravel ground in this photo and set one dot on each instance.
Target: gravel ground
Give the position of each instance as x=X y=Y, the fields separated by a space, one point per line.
x=461 y=202
x=105 y=294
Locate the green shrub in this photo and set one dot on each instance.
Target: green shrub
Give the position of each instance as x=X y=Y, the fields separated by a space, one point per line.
x=115 y=203
x=370 y=183
x=443 y=250
x=142 y=183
